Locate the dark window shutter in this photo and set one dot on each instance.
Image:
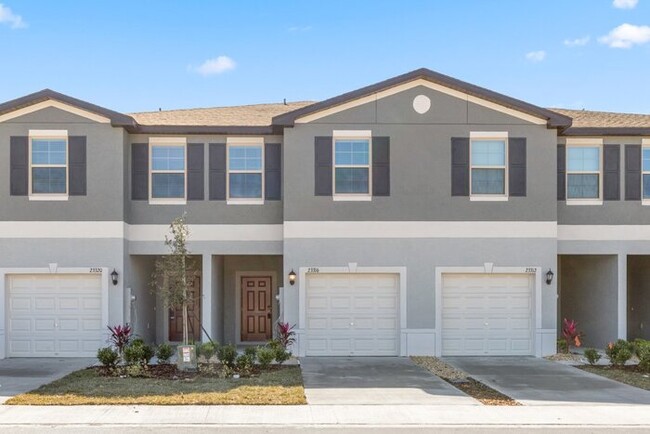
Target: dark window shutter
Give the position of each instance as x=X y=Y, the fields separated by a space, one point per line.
x=561 y=172
x=632 y=172
x=217 y=171
x=323 y=166
x=611 y=172
x=19 y=165
x=381 y=166
x=195 y=171
x=272 y=171
x=517 y=167
x=460 y=166
x=139 y=171
x=77 y=162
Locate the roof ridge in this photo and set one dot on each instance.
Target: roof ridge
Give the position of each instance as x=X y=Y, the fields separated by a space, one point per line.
x=598 y=111
x=225 y=107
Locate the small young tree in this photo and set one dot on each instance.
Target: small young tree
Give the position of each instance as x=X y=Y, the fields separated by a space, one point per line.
x=170 y=276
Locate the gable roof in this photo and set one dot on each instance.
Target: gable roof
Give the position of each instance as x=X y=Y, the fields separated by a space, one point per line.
x=116 y=119
x=587 y=122
x=554 y=119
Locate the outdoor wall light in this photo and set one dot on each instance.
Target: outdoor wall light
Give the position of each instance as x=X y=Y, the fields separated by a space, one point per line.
x=292 y=277
x=114 y=276
x=549 y=277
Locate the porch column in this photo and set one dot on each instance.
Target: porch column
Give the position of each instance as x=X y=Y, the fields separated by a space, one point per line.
x=206 y=298
x=622 y=296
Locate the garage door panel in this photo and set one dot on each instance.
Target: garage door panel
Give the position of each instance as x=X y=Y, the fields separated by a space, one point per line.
x=42 y=303
x=485 y=314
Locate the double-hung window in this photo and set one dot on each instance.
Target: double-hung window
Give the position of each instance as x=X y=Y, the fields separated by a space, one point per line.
x=646 y=174
x=245 y=170
x=488 y=162
x=48 y=161
x=583 y=173
x=168 y=170
x=352 y=165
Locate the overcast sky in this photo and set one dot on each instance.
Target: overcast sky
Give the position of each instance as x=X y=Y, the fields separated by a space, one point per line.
x=140 y=55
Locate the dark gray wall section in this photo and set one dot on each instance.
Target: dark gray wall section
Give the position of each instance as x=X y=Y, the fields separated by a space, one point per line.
x=611 y=172
x=561 y=172
x=140 y=171
x=381 y=166
x=638 y=296
x=322 y=166
x=273 y=171
x=195 y=171
x=632 y=172
x=517 y=166
x=77 y=165
x=420 y=166
x=588 y=294
x=19 y=165
x=218 y=168
x=105 y=165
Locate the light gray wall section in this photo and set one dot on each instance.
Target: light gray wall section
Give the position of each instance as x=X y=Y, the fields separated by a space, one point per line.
x=421 y=257
x=143 y=309
x=105 y=163
x=638 y=297
x=420 y=164
x=233 y=264
x=218 y=281
x=588 y=295
x=200 y=211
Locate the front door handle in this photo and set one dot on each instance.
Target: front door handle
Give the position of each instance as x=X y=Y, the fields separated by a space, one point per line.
x=268 y=315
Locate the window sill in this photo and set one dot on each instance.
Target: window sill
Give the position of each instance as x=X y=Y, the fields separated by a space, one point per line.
x=584 y=202
x=645 y=202
x=352 y=198
x=488 y=198
x=47 y=197
x=245 y=202
x=167 y=202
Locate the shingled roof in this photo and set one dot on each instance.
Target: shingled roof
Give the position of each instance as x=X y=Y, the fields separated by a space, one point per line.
x=596 y=119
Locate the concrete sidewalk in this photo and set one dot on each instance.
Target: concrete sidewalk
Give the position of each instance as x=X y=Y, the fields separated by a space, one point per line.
x=326 y=415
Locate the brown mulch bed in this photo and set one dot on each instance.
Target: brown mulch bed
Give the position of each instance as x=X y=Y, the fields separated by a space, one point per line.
x=629 y=374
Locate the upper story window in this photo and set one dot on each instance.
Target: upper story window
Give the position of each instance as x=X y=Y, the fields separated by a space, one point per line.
x=583 y=173
x=646 y=173
x=488 y=162
x=246 y=170
x=168 y=170
x=352 y=165
x=48 y=164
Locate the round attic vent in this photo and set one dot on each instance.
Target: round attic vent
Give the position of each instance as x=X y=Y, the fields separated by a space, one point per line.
x=421 y=104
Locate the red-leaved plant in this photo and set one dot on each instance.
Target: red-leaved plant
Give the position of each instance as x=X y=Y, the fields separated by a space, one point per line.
x=286 y=335
x=571 y=334
x=120 y=336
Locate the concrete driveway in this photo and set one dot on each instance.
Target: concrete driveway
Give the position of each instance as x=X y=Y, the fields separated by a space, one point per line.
x=21 y=375
x=534 y=381
x=375 y=380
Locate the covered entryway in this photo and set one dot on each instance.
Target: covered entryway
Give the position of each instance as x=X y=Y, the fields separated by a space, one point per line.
x=352 y=314
x=54 y=315
x=487 y=314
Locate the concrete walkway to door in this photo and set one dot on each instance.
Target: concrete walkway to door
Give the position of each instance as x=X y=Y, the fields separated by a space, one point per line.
x=375 y=380
x=534 y=381
x=24 y=374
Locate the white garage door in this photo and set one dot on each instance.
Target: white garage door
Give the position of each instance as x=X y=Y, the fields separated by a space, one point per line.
x=54 y=316
x=487 y=314
x=352 y=314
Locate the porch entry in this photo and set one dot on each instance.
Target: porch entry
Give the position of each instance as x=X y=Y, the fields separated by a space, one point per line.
x=193 y=315
x=256 y=307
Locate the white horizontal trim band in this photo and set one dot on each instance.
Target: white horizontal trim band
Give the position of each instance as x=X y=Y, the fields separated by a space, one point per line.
x=430 y=229
x=584 y=141
x=245 y=140
x=603 y=232
x=108 y=229
x=154 y=140
x=488 y=134
x=48 y=133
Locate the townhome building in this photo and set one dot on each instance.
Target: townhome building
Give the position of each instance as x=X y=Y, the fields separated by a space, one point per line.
x=417 y=216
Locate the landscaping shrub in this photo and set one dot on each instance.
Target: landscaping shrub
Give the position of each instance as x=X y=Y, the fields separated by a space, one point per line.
x=252 y=352
x=265 y=356
x=562 y=346
x=138 y=353
x=207 y=350
x=619 y=352
x=120 y=337
x=227 y=355
x=281 y=355
x=164 y=353
x=274 y=344
x=286 y=334
x=108 y=357
x=244 y=363
x=592 y=356
x=642 y=351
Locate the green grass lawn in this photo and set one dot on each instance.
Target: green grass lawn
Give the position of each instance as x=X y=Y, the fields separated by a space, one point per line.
x=628 y=375
x=87 y=387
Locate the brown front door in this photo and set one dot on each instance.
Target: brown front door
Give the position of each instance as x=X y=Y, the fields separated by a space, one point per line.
x=256 y=308
x=193 y=315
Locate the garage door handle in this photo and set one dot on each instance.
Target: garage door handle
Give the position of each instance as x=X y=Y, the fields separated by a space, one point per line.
x=351 y=323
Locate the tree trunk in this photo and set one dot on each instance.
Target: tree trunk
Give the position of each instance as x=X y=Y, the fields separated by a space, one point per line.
x=186 y=336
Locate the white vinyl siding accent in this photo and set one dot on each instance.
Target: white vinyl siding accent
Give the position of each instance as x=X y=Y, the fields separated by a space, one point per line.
x=48 y=165
x=352 y=165
x=488 y=166
x=584 y=180
x=168 y=171
x=245 y=165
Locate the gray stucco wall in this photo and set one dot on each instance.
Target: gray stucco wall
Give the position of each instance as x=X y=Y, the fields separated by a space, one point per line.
x=143 y=309
x=420 y=159
x=638 y=297
x=588 y=294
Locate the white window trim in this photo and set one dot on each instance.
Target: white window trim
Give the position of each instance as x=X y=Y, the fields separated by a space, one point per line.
x=239 y=142
x=645 y=147
x=489 y=135
x=53 y=135
x=167 y=141
x=352 y=135
x=586 y=143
